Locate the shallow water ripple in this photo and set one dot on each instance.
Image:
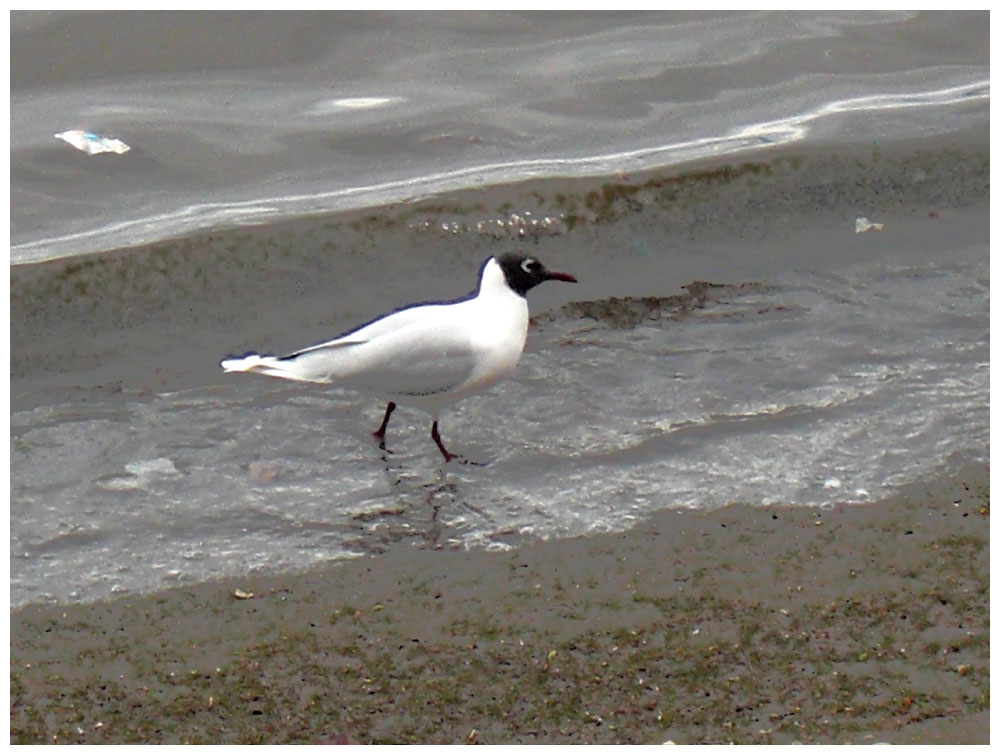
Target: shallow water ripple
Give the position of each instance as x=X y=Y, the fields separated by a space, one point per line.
x=820 y=388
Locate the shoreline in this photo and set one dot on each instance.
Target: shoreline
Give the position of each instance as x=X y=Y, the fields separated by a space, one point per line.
x=590 y=197
x=749 y=624
x=158 y=316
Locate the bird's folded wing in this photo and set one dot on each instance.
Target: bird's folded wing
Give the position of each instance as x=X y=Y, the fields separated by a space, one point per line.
x=385 y=325
x=418 y=359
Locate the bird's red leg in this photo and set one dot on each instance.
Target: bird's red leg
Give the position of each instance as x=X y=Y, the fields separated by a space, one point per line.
x=380 y=433
x=437 y=439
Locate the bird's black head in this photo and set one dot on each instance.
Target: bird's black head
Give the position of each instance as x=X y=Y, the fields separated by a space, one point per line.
x=523 y=273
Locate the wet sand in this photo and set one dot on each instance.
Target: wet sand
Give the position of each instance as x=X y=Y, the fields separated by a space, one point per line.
x=864 y=623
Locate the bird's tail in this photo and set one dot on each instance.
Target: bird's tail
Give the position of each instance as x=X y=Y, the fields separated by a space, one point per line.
x=266 y=365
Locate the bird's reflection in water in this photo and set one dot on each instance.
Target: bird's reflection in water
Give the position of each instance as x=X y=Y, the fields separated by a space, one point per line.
x=429 y=510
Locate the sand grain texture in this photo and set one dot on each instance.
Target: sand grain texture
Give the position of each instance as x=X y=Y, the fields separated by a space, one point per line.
x=746 y=624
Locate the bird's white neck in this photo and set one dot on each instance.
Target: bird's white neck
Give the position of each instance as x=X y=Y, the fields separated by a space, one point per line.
x=494 y=282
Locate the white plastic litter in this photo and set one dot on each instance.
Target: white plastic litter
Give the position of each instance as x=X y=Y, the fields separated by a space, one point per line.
x=862 y=225
x=93 y=144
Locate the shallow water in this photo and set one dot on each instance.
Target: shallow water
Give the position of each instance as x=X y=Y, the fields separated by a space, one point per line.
x=818 y=386
x=826 y=365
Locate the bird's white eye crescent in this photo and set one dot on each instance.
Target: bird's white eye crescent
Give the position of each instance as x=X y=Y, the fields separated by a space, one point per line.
x=529 y=264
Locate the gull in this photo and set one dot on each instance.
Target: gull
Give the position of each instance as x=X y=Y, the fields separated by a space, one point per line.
x=428 y=355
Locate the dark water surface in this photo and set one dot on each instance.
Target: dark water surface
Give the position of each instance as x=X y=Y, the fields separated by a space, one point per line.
x=237 y=118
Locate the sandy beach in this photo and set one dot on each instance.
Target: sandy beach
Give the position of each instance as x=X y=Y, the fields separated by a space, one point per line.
x=748 y=624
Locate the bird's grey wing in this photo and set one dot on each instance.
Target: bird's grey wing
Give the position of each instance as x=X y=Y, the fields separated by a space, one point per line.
x=387 y=324
x=418 y=359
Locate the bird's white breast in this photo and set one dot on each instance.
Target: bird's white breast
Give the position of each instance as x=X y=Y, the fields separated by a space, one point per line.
x=497 y=325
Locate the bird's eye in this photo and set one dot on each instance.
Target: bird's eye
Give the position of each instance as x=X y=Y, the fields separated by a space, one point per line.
x=531 y=265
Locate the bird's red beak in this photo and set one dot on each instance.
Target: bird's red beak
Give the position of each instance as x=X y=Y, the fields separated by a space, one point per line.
x=560 y=277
